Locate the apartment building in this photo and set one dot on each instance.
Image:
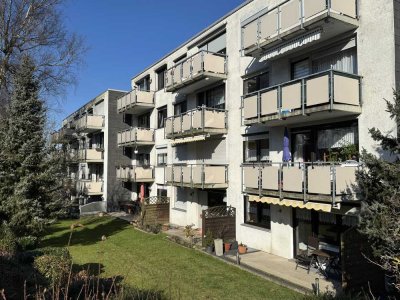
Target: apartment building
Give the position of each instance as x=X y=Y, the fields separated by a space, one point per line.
x=266 y=111
x=90 y=137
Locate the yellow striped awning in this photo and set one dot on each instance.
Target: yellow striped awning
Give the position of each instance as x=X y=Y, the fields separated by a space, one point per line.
x=293 y=203
x=189 y=139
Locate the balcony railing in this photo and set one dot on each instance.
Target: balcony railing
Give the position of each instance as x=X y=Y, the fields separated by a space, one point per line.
x=201 y=120
x=135 y=136
x=203 y=66
x=197 y=175
x=135 y=173
x=89 y=123
x=332 y=182
x=333 y=91
x=63 y=135
x=136 y=101
x=91 y=187
x=290 y=18
x=91 y=155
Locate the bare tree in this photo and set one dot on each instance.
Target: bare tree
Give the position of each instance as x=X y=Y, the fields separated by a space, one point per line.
x=35 y=28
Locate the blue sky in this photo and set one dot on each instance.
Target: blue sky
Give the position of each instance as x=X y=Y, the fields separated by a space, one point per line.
x=126 y=36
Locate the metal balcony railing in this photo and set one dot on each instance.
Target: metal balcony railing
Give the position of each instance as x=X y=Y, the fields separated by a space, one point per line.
x=135 y=173
x=91 y=187
x=292 y=16
x=328 y=90
x=319 y=181
x=188 y=70
x=135 y=98
x=88 y=155
x=201 y=120
x=136 y=135
x=197 y=175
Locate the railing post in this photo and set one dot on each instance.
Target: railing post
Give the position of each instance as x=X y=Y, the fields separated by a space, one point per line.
x=329 y=3
x=304 y=183
x=202 y=62
x=259 y=180
x=303 y=95
x=331 y=87
x=333 y=170
x=301 y=14
x=278 y=11
x=202 y=117
x=280 y=183
x=259 y=106
x=279 y=102
x=258 y=32
x=203 y=176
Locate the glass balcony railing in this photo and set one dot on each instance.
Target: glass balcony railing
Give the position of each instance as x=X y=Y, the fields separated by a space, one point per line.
x=89 y=123
x=135 y=136
x=332 y=91
x=290 y=18
x=135 y=173
x=197 y=175
x=202 y=120
x=331 y=182
x=202 y=68
x=136 y=101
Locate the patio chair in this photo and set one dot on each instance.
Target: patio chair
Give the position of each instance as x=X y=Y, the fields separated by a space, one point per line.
x=305 y=258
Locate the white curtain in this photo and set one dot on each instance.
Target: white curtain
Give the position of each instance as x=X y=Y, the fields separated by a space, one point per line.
x=345 y=61
x=336 y=138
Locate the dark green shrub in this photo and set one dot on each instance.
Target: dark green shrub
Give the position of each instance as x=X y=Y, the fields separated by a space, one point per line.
x=8 y=241
x=27 y=242
x=54 y=265
x=155 y=228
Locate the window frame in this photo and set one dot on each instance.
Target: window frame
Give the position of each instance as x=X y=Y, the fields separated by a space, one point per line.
x=259 y=205
x=161 y=73
x=162 y=110
x=258 y=150
x=164 y=159
x=258 y=81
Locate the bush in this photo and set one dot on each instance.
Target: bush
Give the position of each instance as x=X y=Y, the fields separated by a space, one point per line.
x=27 y=242
x=8 y=241
x=54 y=265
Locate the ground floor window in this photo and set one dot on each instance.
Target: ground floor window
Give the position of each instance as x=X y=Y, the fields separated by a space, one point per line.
x=257 y=213
x=161 y=191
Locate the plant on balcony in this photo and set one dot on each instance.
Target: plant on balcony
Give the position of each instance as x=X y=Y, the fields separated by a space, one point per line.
x=379 y=183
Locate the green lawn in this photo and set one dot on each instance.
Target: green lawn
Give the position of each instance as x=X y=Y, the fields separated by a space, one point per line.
x=148 y=261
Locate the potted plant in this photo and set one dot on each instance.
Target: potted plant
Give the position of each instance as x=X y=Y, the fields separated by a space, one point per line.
x=209 y=242
x=242 y=249
x=227 y=245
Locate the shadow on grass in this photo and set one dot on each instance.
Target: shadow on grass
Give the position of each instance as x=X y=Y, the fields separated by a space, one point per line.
x=87 y=235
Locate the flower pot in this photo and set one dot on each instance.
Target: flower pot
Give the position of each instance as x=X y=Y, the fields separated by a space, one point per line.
x=242 y=249
x=209 y=249
x=227 y=246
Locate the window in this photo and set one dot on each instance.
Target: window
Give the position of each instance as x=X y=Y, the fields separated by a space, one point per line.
x=162 y=159
x=256 y=150
x=144 y=84
x=256 y=83
x=257 y=213
x=144 y=121
x=128 y=119
x=180 y=108
x=216 y=45
x=345 y=61
x=161 y=77
x=161 y=191
x=161 y=116
x=214 y=98
x=143 y=159
x=300 y=68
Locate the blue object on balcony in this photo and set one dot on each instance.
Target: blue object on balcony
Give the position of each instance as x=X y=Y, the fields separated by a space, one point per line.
x=287 y=156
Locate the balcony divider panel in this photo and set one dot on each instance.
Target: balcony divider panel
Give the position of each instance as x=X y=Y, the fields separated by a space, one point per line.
x=197 y=63
x=269 y=102
x=347 y=7
x=250 y=176
x=290 y=15
x=197 y=119
x=319 y=180
x=186 y=122
x=250 y=107
x=168 y=126
x=214 y=174
x=346 y=90
x=313 y=7
x=270 y=178
x=269 y=25
x=177 y=124
x=317 y=90
x=250 y=34
x=345 y=180
x=292 y=179
x=186 y=174
x=177 y=173
x=214 y=63
x=168 y=174
x=186 y=69
x=197 y=174
x=291 y=96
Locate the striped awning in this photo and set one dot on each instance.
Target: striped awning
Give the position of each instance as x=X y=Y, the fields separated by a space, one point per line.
x=292 y=44
x=189 y=139
x=293 y=203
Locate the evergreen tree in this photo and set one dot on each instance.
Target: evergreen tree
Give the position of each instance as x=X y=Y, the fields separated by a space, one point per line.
x=29 y=174
x=380 y=185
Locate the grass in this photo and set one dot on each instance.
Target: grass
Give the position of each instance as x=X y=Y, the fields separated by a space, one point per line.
x=151 y=262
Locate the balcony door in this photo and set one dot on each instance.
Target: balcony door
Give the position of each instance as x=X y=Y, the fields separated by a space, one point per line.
x=144 y=121
x=302 y=146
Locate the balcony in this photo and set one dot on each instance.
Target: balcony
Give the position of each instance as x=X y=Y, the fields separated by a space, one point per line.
x=136 y=102
x=63 y=135
x=195 y=72
x=91 y=155
x=201 y=121
x=72 y=156
x=91 y=188
x=325 y=95
x=89 y=123
x=296 y=19
x=197 y=176
x=318 y=182
x=135 y=136
x=135 y=174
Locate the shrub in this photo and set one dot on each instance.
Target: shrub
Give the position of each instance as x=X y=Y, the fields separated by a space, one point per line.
x=156 y=228
x=27 y=242
x=54 y=265
x=8 y=241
